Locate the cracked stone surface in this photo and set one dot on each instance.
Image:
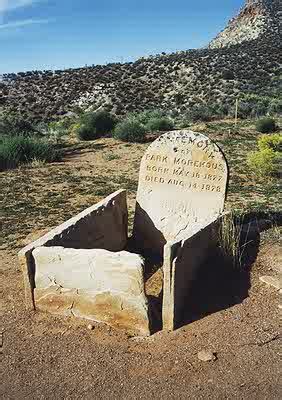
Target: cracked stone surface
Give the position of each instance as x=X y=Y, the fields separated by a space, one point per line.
x=95 y=284
x=182 y=184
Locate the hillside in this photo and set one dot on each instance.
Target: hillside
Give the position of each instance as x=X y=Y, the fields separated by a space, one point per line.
x=242 y=59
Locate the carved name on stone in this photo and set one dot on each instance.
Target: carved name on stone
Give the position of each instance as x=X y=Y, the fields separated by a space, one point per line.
x=182 y=184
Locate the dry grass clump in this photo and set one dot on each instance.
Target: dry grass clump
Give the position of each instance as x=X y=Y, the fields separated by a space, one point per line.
x=233 y=238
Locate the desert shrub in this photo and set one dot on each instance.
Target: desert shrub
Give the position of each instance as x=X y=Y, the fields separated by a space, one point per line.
x=199 y=113
x=15 y=150
x=56 y=130
x=275 y=107
x=222 y=110
x=245 y=109
x=100 y=122
x=14 y=124
x=159 y=124
x=130 y=131
x=263 y=162
x=86 y=132
x=266 y=125
x=77 y=110
x=254 y=105
x=273 y=142
x=145 y=116
x=179 y=98
x=227 y=74
x=74 y=128
x=184 y=123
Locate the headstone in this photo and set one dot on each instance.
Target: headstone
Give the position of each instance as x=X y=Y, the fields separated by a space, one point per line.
x=182 y=186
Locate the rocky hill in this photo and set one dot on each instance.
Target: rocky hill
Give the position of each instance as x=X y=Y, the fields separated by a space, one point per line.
x=256 y=19
x=244 y=58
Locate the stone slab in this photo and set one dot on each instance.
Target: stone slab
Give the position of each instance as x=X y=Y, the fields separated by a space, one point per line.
x=94 y=284
x=182 y=187
x=182 y=261
x=103 y=225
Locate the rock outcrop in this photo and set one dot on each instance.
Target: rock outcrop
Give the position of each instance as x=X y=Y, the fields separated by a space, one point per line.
x=256 y=19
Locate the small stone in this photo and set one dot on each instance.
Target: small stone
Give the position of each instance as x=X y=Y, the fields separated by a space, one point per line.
x=90 y=327
x=270 y=281
x=207 y=355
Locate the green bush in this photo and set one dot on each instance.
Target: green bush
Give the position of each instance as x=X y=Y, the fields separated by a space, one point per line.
x=273 y=142
x=245 y=110
x=263 y=162
x=227 y=74
x=184 y=123
x=130 y=131
x=100 y=123
x=275 y=107
x=261 y=105
x=86 y=132
x=266 y=125
x=199 y=113
x=159 y=124
x=145 y=116
x=74 y=128
x=20 y=149
x=14 y=124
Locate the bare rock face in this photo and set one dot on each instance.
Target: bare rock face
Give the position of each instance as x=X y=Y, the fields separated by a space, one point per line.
x=256 y=18
x=94 y=284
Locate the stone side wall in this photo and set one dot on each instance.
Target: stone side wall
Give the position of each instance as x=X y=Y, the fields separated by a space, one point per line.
x=181 y=262
x=104 y=226
x=93 y=284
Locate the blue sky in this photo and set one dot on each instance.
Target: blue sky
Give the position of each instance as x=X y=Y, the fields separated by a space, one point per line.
x=51 y=34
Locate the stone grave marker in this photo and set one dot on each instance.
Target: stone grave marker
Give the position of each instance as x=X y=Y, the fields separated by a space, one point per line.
x=182 y=185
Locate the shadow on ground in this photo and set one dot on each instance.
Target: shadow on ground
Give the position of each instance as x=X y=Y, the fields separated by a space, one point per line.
x=219 y=284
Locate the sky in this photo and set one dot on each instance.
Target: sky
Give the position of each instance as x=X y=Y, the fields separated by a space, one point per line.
x=58 y=34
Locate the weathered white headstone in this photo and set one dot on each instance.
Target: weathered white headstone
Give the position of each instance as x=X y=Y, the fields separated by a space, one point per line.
x=182 y=185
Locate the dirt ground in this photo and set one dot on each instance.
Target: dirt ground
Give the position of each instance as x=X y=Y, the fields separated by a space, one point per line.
x=48 y=357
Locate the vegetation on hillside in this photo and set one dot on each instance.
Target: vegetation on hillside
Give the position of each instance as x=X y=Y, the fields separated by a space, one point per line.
x=57 y=191
x=91 y=125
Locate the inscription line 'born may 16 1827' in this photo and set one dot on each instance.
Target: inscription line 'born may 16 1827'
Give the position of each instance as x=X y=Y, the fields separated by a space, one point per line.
x=184 y=169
